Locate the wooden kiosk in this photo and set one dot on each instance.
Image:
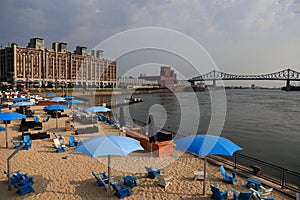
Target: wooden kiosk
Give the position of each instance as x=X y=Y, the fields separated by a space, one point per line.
x=164 y=145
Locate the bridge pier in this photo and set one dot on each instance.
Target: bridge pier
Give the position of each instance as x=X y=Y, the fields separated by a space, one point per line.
x=287 y=87
x=214 y=83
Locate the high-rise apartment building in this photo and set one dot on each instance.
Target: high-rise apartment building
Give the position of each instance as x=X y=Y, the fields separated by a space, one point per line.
x=35 y=65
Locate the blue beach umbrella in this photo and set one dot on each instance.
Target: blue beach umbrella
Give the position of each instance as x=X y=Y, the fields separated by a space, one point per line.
x=57 y=99
x=57 y=108
x=68 y=97
x=19 y=99
x=50 y=95
x=23 y=103
x=108 y=145
x=74 y=101
x=96 y=109
x=10 y=116
x=204 y=145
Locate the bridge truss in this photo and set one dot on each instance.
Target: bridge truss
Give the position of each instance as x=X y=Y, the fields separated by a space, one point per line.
x=287 y=74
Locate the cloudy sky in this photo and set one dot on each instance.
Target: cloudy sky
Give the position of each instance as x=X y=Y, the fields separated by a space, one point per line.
x=242 y=37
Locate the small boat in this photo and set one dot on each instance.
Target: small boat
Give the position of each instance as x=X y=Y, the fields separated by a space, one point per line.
x=132 y=100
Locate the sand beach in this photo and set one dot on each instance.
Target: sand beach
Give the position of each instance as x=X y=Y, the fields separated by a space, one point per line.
x=68 y=175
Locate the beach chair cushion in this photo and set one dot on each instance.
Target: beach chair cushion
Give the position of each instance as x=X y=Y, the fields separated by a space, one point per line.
x=162 y=181
x=226 y=178
x=217 y=194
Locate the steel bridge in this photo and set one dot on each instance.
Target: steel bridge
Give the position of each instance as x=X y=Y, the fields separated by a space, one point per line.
x=286 y=75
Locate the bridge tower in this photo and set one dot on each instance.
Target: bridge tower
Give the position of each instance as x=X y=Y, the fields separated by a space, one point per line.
x=214 y=78
x=288 y=80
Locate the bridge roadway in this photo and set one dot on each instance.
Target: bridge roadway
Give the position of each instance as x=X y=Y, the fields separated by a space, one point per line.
x=287 y=75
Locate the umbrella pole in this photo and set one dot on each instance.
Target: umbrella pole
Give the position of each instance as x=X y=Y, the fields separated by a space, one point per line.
x=56 y=120
x=108 y=175
x=6 y=134
x=8 y=164
x=204 y=180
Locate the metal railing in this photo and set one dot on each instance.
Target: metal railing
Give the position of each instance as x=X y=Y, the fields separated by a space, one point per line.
x=278 y=175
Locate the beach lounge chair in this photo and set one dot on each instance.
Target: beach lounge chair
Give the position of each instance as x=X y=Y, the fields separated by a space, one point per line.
x=130 y=181
x=16 y=144
x=162 y=181
x=17 y=177
x=24 y=189
x=46 y=119
x=253 y=183
x=151 y=172
x=198 y=175
x=56 y=143
x=26 y=141
x=262 y=192
x=227 y=179
x=60 y=149
x=121 y=191
x=36 y=118
x=217 y=194
x=101 y=181
x=256 y=195
x=72 y=141
x=241 y=196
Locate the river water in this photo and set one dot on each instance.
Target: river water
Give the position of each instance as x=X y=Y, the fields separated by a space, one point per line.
x=265 y=123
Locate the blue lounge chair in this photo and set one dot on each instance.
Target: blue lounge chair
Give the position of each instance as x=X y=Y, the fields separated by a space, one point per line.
x=253 y=183
x=72 y=141
x=100 y=180
x=16 y=144
x=241 y=196
x=121 y=191
x=17 y=177
x=151 y=172
x=227 y=179
x=217 y=194
x=24 y=189
x=130 y=181
x=110 y=121
x=26 y=141
x=46 y=119
x=60 y=149
x=36 y=118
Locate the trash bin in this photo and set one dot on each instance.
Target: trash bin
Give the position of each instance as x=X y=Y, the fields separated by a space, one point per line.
x=68 y=125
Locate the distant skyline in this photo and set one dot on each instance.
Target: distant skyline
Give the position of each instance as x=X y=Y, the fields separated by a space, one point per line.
x=242 y=37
